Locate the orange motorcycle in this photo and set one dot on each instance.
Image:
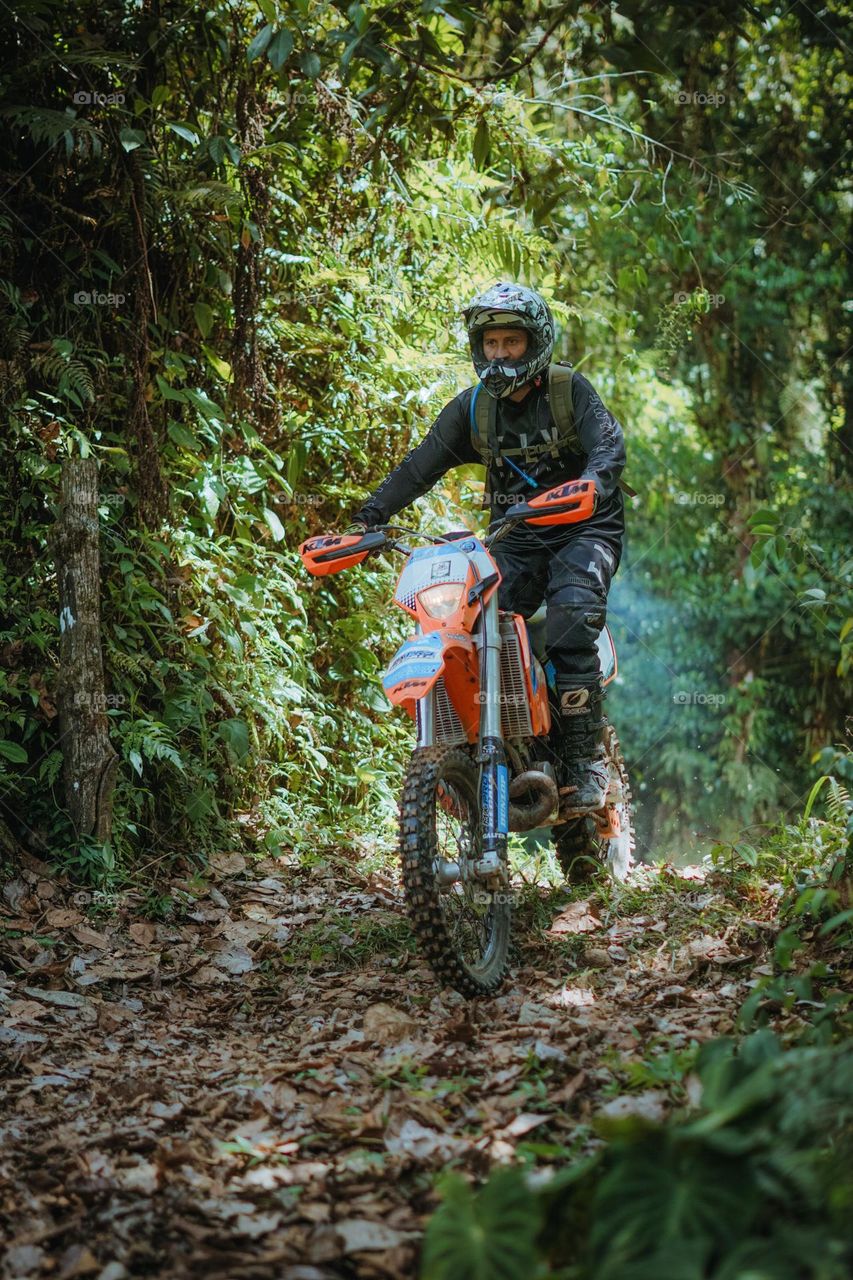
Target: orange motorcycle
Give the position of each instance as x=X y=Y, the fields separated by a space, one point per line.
x=473 y=681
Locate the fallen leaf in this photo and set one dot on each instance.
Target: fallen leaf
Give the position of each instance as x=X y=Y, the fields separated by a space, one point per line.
x=142 y=933
x=650 y=1106
x=228 y=864
x=62 y=917
x=577 y=917
x=573 y=998
x=709 y=950
x=416 y=1140
x=523 y=1124
x=384 y=1024
x=691 y=873
x=235 y=960
x=77 y=1260
x=23 y=1260
x=569 y=1089
x=67 y=999
x=89 y=937
x=360 y=1235
x=256 y=1224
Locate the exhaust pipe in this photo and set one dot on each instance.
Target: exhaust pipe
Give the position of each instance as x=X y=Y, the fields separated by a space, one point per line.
x=528 y=816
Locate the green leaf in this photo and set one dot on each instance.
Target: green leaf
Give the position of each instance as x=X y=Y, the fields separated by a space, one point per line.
x=280 y=48
x=184 y=131
x=626 y=279
x=275 y=526
x=296 y=462
x=203 y=317
x=310 y=64
x=258 y=43
x=814 y=793
x=482 y=143
x=184 y=438
x=764 y=517
x=488 y=1237
x=235 y=734
x=167 y=392
x=222 y=367
x=208 y=408
x=12 y=751
x=130 y=139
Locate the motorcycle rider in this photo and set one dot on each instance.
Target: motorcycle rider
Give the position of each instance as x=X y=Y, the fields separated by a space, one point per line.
x=511 y=336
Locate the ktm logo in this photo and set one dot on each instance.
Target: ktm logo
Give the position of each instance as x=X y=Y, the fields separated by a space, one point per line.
x=574 y=699
x=567 y=491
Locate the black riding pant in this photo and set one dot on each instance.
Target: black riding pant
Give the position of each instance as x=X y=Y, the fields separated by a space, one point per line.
x=573 y=577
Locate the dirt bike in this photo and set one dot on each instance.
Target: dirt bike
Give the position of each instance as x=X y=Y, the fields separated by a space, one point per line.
x=473 y=681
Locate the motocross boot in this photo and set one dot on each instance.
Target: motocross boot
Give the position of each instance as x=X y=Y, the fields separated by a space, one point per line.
x=584 y=775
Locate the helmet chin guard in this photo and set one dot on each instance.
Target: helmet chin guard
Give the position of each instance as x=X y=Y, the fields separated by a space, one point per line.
x=510 y=306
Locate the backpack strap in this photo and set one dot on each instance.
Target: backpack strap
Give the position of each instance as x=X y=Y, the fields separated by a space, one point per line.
x=560 y=377
x=563 y=411
x=484 y=432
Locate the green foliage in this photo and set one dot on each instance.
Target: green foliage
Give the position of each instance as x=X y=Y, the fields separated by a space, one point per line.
x=756 y=1182
x=487 y=1237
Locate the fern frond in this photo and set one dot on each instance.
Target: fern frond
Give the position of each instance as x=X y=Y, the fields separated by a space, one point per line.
x=48 y=127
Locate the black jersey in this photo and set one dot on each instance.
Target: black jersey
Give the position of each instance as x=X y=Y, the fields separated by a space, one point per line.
x=449 y=444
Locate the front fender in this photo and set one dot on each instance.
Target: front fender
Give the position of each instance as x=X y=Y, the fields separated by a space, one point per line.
x=414 y=669
x=423 y=659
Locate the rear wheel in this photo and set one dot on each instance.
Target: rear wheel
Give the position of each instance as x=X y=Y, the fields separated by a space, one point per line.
x=462 y=924
x=581 y=848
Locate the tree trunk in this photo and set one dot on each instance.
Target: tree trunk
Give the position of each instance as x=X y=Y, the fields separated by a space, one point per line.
x=90 y=762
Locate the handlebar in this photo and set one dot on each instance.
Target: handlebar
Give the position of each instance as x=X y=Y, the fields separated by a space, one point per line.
x=568 y=503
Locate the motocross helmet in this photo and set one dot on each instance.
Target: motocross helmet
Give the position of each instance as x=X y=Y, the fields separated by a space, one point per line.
x=510 y=306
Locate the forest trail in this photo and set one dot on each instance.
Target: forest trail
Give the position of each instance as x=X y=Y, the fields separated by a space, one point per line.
x=266 y=1083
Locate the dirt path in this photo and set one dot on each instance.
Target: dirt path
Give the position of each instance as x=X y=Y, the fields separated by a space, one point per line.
x=266 y=1083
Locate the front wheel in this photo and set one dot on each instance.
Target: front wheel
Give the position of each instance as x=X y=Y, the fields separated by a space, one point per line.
x=581 y=847
x=462 y=924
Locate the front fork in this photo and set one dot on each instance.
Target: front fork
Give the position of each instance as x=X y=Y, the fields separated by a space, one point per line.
x=491 y=757
x=494 y=776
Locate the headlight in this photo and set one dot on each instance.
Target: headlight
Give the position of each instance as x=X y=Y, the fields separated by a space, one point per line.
x=443 y=600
